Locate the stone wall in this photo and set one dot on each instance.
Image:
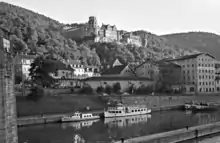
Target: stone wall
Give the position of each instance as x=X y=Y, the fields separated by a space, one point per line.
x=8 y=115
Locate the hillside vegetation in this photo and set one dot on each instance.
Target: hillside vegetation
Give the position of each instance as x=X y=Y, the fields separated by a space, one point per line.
x=36 y=33
x=201 y=41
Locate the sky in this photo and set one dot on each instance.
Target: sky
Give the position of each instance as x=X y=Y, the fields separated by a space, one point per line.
x=156 y=16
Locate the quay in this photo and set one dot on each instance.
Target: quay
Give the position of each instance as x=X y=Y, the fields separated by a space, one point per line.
x=46 y=119
x=178 y=135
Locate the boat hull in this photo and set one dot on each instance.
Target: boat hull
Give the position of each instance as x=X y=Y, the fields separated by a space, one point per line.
x=67 y=119
x=199 y=108
x=113 y=115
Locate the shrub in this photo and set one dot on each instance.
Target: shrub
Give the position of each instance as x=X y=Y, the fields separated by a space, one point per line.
x=86 y=89
x=144 y=90
x=117 y=87
x=108 y=89
x=100 y=89
x=37 y=92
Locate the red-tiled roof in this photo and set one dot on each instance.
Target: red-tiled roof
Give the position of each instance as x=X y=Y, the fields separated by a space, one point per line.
x=100 y=78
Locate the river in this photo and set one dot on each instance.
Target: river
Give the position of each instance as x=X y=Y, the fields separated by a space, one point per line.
x=113 y=129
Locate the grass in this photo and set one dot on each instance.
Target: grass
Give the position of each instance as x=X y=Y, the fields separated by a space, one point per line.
x=66 y=104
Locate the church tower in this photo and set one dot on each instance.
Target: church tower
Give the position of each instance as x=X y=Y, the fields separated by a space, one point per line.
x=93 y=26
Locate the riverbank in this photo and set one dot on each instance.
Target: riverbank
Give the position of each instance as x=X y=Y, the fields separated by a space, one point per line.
x=46 y=119
x=50 y=105
x=178 y=135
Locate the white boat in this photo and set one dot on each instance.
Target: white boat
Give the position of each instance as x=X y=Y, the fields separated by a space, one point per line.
x=120 y=111
x=77 y=116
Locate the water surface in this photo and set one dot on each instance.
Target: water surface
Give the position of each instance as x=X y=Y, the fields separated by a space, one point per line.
x=113 y=129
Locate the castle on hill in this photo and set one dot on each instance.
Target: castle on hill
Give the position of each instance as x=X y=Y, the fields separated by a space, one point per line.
x=106 y=33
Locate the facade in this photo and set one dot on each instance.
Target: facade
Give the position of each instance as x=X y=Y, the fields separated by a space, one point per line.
x=125 y=82
x=198 y=72
x=170 y=74
x=217 y=83
x=92 y=71
x=217 y=77
x=148 y=69
x=108 y=33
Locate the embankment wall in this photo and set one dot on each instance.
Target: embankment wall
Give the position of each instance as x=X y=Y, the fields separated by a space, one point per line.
x=178 y=135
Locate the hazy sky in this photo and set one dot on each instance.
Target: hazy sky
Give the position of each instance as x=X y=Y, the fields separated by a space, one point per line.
x=156 y=16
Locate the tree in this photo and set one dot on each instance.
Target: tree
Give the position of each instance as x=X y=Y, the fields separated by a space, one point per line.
x=39 y=71
x=108 y=89
x=117 y=87
x=100 y=89
x=18 y=44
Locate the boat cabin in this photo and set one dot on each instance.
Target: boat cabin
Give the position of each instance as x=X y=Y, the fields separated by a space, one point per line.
x=87 y=115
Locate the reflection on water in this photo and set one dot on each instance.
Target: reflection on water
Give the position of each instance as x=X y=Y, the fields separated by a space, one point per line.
x=78 y=139
x=79 y=125
x=126 y=121
x=113 y=128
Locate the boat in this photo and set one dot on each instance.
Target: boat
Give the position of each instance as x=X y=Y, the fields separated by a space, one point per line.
x=119 y=110
x=195 y=107
x=77 y=116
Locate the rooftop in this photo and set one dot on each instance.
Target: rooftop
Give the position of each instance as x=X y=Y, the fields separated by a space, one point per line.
x=189 y=57
x=100 y=78
x=115 y=70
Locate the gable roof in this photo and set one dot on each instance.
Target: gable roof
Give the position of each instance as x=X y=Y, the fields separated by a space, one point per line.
x=146 y=61
x=115 y=70
x=193 y=56
x=58 y=65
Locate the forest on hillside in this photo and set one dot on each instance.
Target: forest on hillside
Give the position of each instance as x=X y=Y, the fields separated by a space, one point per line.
x=38 y=34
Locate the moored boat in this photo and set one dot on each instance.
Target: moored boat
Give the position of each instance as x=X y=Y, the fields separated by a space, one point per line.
x=77 y=116
x=200 y=106
x=120 y=110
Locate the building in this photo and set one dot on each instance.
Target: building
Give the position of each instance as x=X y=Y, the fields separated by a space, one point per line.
x=108 y=33
x=23 y=65
x=217 y=76
x=92 y=71
x=170 y=75
x=130 y=38
x=60 y=70
x=198 y=72
x=217 y=82
x=149 y=69
x=119 y=70
x=125 y=82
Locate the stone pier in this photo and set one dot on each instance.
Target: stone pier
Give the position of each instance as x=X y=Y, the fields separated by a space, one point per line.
x=8 y=115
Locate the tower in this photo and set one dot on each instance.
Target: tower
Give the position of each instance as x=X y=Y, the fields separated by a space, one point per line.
x=93 y=26
x=8 y=115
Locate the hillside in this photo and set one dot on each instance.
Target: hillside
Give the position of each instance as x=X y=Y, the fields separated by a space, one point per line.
x=36 y=33
x=201 y=41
